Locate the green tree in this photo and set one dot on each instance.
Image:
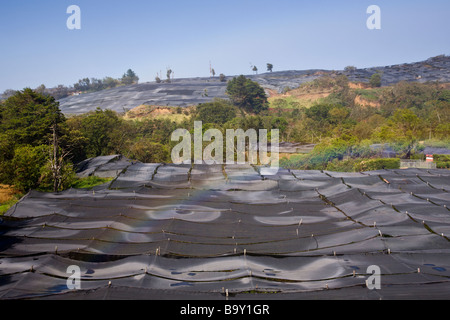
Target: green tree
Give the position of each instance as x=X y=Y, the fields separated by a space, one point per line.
x=338 y=114
x=269 y=67
x=444 y=96
x=83 y=85
x=365 y=128
x=147 y=151
x=247 y=95
x=130 y=77
x=59 y=92
x=319 y=112
x=377 y=164
x=402 y=130
x=66 y=176
x=98 y=127
x=375 y=80
x=27 y=117
x=109 y=82
x=406 y=124
x=6 y=154
x=219 y=111
x=411 y=94
x=27 y=165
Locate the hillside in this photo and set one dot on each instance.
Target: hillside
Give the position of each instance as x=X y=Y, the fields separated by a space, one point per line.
x=192 y=91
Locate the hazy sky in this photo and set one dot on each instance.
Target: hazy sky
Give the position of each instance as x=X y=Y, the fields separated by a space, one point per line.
x=149 y=36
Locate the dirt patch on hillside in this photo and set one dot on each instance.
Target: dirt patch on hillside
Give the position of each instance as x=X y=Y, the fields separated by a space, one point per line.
x=301 y=94
x=6 y=193
x=143 y=111
x=314 y=96
x=161 y=111
x=366 y=103
x=358 y=85
x=158 y=112
x=138 y=112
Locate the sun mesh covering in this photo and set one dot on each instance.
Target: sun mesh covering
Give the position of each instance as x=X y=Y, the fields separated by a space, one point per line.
x=198 y=231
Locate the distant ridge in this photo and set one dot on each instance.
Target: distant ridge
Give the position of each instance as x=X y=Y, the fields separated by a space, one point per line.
x=192 y=91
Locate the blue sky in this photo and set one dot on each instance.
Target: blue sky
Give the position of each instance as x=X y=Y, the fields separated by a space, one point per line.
x=149 y=36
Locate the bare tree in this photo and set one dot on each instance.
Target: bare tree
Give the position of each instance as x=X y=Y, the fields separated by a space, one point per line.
x=169 y=72
x=57 y=158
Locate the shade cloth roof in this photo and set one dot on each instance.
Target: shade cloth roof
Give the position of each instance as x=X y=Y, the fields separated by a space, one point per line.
x=166 y=231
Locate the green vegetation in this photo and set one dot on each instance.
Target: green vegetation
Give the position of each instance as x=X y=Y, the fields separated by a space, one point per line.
x=89 y=182
x=288 y=102
x=405 y=115
x=377 y=164
x=218 y=112
x=247 y=95
x=129 y=77
x=147 y=151
x=442 y=161
x=39 y=145
x=372 y=94
x=8 y=197
x=375 y=80
x=5 y=206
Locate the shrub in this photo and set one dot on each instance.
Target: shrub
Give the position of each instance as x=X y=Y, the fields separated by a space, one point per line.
x=65 y=180
x=377 y=164
x=89 y=182
x=219 y=111
x=247 y=95
x=342 y=166
x=375 y=80
x=147 y=151
x=443 y=164
x=442 y=161
x=27 y=164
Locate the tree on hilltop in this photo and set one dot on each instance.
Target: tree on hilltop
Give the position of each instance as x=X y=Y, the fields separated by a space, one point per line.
x=130 y=77
x=247 y=94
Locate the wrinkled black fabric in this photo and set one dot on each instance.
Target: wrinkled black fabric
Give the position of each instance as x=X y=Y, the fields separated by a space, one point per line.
x=160 y=231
